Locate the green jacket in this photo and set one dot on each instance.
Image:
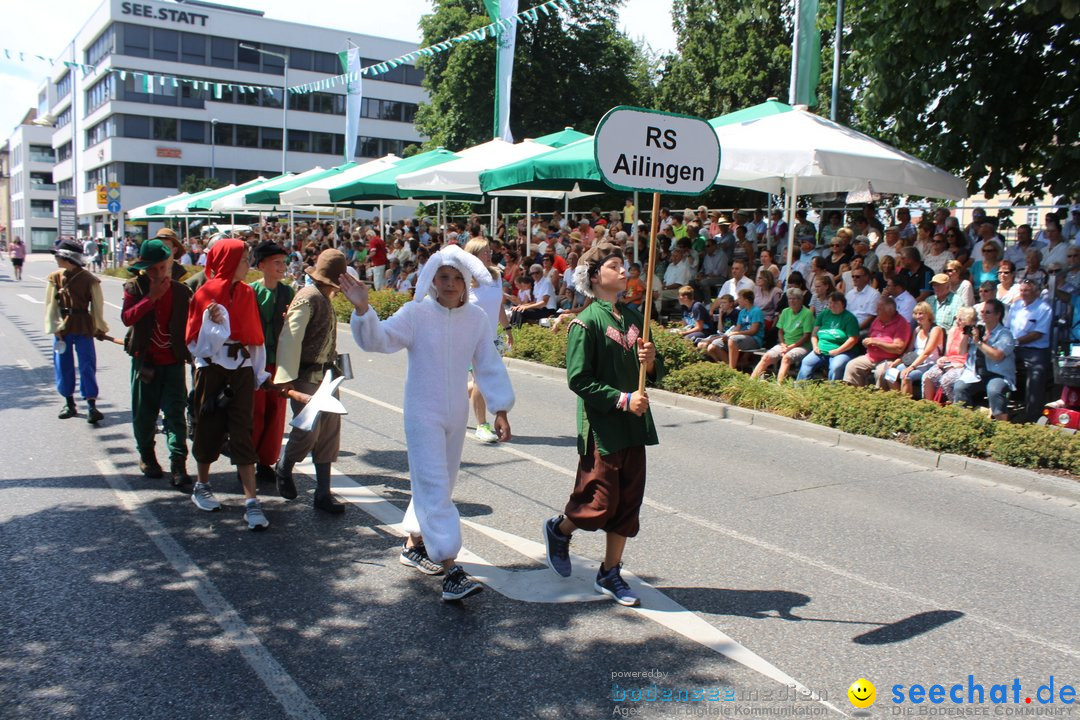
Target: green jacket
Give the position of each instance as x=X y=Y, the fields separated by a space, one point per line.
x=601 y=363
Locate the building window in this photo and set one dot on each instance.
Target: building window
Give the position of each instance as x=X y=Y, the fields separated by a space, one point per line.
x=164 y=176
x=271 y=139
x=166 y=44
x=247 y=136
x=322 y=103
x=102 y=47
x=133 y=91
x=301 y=59
x=247 y=59
x=65 y=188
x=136 y=126
x=42 y=154
x=321 y=142
x=327 y=63
x=99 y=94
x=63 y=85
x=300 y=140
x=191 y=96
x=271 y=64
x=192 y=131
x=223 y=52
x=271 y=98
x=100 y=132
x=300 y=101
x=137 y=174
x=164 y=128
x=41 y=209
x=223 y=133
x=42 y=239
x=136 y=40
x=193 y=48
x=97 y=176
x=367 y=147
x=64 y=118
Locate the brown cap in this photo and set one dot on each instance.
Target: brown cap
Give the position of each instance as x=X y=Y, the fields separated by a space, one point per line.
x=595 y=256
x=329 y=266
x=168 y=234
x=940 y=279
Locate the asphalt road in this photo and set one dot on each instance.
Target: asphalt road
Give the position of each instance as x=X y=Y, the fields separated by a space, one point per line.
x=764 y=560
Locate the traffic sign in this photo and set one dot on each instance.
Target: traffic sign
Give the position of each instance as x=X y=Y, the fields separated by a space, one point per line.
x=113 y=193
x=102 y=196
x=114 y=206
x=639 y=149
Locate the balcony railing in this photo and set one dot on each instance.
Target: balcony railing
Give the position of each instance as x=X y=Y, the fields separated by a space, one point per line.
x=42 y=158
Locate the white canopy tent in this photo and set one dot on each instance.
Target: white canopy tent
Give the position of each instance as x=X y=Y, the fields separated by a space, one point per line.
x=234 y=201
x=318 y=192
x=800 y=153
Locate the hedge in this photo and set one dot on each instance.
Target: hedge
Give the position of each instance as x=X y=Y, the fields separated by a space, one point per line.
x=384 y=302
x=862 y=411
x=123 y=273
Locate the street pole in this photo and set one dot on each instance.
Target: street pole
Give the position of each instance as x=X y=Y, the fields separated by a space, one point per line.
x=213 y=146
x=837 y=41
x=284 y=99
x=285 y=113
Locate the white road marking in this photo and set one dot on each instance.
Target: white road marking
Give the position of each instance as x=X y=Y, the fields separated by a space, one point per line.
x=281 y=685
x=784 y=552
x=542 y=586
x=113 y=305
x=31 y=298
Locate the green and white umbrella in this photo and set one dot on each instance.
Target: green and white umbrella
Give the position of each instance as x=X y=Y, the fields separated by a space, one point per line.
x=318 y=191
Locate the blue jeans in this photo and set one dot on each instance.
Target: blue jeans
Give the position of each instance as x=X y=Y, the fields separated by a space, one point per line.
x=64 y=366
x=813 y=361
x=993 y=386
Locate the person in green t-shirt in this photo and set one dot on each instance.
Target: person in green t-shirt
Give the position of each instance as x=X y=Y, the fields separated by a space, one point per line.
x=793 y=327
x=834 y=337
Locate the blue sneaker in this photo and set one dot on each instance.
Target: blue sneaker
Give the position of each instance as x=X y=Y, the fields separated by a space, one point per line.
x=611 y=583
x=558 y=547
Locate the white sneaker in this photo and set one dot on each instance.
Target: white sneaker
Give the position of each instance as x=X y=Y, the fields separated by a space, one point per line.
x=203 y=497
x=254 y=515
x=484 y=433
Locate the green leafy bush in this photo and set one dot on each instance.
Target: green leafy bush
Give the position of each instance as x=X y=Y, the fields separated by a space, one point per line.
x=1034 y=446
x=540 y=344
x=675 y=352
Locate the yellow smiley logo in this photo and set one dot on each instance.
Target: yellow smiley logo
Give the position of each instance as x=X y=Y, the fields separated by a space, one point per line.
x=862 y=693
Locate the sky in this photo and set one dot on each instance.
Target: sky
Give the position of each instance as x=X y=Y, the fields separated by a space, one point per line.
x=45 y=26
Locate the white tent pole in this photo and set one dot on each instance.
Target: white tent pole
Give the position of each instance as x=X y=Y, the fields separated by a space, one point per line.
x=791 y=221
x=261 y=226
x=382 y=220
x=566 y=208
x=494 y=227
x=528 y=223
x=292 y=227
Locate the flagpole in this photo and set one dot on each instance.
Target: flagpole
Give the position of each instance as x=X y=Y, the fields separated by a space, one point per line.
x=792 y=95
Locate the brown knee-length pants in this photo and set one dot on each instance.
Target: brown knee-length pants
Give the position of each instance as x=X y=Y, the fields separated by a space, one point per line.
x=608 y=490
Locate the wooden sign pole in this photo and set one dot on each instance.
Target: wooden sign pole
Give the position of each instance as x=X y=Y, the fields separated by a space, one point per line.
x=654 y=226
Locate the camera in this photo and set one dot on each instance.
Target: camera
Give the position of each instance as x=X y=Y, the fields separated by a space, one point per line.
x=967 y=330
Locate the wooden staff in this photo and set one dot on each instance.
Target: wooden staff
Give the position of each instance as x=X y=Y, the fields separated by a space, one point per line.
x=649 y=283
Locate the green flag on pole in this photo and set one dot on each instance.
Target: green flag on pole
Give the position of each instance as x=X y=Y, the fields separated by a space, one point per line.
x=806 y=54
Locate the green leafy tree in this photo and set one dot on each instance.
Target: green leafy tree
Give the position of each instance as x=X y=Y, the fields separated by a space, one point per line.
x=984 y=88
x=194 y=183
x=569 y=69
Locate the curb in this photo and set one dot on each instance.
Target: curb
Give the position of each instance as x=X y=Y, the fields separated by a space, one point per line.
x=988 y=473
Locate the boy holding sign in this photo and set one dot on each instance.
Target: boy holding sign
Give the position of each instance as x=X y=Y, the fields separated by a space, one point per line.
x=604 y=354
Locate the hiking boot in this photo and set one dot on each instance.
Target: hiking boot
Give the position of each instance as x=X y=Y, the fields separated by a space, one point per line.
x=94 y=416
x=285 y=486
x=327 y=503
x=558 y=547
x=149 y=467
x=68 y=411
x=417 y=557
x=254 y=515
x=458 y=586
x=485 y=434
x=611 y=583
x=179 y=475
x=203 y=497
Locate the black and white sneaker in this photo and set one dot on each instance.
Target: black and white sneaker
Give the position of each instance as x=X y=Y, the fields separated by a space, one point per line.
x=458 y=586
x=417 y=557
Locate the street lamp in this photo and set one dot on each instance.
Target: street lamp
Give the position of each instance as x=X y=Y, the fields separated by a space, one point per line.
x=213 y=145
x=284 y=99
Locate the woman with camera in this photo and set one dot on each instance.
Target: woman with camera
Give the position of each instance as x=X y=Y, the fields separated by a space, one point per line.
x=994 y=362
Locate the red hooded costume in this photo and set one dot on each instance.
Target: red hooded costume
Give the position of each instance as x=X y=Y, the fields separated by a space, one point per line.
x=235 y=296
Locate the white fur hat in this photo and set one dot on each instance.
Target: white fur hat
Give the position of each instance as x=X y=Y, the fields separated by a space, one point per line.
x=470 y=267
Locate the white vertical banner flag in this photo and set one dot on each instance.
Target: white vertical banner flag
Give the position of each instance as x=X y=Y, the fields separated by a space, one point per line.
x=350 y=60
x=506 y=39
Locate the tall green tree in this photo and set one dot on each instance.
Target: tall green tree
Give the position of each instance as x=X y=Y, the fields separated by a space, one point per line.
x=985 y=88
x=730 y=54
x=569 y=69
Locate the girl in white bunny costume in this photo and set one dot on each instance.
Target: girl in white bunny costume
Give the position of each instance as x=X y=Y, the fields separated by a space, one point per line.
x=444 y=333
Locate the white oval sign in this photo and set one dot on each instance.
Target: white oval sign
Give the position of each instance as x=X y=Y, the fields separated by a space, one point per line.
x=639 y=149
